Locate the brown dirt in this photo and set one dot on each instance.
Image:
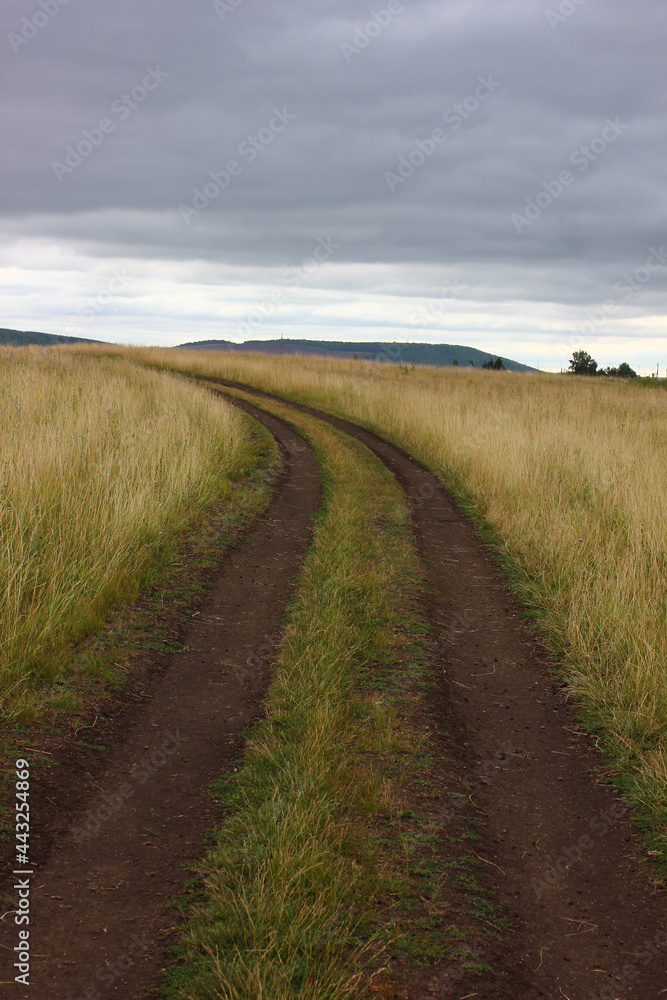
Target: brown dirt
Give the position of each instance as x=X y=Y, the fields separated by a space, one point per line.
x=558 y=849
x=561 y=856
x=128 y=832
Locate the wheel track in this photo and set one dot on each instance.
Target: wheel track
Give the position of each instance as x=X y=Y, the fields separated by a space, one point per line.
x=498 y=695
x=565 y=862
x=99 y=903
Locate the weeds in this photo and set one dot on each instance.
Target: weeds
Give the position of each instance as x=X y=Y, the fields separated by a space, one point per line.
x=567 y=477
x=103 y=464
x=312 y=872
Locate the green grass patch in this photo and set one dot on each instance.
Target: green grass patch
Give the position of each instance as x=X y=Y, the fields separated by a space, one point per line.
x=291 y=875
x=318 y=860
x=566 y=477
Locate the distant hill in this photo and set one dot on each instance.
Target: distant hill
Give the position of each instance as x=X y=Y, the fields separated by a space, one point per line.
x=418 y=354
x=20 y=338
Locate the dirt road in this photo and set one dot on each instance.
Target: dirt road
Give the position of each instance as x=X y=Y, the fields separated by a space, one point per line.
x=564 y=860
x=560 y=854
x=98 y=917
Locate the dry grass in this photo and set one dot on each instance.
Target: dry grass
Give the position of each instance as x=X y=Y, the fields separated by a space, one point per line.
x=291 y=872
x=102 y=463
x=571 y=473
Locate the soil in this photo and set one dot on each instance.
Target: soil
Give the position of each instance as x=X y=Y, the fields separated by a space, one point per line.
x=115 y=847
x=562 y=857
x=560 y=854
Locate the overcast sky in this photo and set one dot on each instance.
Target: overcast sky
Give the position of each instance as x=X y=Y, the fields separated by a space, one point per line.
x=479 y=172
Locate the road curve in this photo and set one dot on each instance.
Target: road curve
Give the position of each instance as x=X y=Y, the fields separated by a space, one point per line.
x=98 y=905
x=565 y=862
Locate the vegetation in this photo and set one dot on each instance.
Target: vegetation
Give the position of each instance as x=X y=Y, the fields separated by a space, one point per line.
x=103 y=463
x=20 y=338
x=567 y=476
x=407 y=353
x=292 y=870
x=582 y=363
x=496 y=365
x=292 y=876
x=623 y=371
x=570 y=475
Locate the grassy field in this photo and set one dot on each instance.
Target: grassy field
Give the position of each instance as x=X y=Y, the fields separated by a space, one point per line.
x=570 y=476
x=103 y=463
x=293 y=870
x=106 y=459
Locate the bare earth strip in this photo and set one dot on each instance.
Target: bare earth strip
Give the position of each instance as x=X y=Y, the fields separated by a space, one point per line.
x=98 y=909
x=558 y=848
x=562 y=857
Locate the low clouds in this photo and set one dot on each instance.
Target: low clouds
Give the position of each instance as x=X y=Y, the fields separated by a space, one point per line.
x=368 y=92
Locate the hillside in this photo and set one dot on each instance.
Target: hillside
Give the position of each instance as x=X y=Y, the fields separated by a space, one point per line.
x=20 y=338
x=422 y=354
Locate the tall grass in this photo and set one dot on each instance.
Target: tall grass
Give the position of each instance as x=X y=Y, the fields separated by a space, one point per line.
x=292 y=869
x=571 y=474
x=101 y=463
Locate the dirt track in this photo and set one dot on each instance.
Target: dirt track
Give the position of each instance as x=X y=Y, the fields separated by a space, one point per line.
x=562 y=857
x=564 y=860
x=98 y=904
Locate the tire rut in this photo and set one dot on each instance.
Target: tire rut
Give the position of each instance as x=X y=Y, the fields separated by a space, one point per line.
x=99 y=917
x=565 y=862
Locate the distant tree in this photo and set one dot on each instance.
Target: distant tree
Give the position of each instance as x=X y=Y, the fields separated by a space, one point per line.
x=582 y=363
x=471 y=363
x=455 y=362
x=496 y=365
x=623 y=371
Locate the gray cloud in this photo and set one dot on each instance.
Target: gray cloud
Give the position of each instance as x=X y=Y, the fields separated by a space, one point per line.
x=365 y=88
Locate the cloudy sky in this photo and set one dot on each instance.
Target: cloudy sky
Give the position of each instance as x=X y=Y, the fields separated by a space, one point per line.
x=479 y=172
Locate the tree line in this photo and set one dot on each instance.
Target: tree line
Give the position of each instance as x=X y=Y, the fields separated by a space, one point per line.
x=581 y=363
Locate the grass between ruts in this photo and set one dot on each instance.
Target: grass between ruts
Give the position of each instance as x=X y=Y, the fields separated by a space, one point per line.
x=293 y=869
x=103 y=465
x=570 y=476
